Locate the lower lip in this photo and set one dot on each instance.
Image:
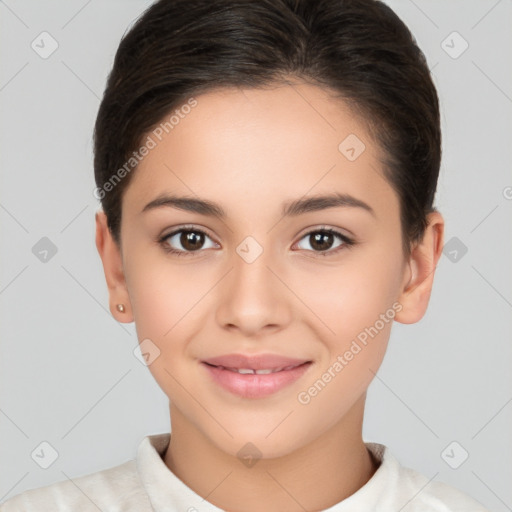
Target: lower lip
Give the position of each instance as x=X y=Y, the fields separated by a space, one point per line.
x=253 y=385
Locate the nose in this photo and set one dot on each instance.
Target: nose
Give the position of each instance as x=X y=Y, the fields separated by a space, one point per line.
x=253 y=298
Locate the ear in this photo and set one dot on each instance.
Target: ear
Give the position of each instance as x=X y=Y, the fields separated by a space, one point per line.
x=419 y=278
x=110 y=255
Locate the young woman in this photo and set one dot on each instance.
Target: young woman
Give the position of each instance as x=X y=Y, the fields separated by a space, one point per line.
x=267 y=172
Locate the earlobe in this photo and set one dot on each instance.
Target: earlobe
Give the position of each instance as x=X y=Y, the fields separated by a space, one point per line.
x=110 y=255
x=418 y=282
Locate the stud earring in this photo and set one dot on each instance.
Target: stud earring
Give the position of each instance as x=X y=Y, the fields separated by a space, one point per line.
x=120 y=308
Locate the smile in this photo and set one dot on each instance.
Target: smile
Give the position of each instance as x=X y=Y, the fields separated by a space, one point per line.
x=260 y=379
x=266 y=371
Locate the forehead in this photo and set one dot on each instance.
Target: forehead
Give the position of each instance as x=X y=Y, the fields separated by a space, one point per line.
x=243 y=147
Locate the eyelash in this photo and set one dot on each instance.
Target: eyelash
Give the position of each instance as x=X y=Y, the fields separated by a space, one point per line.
x=347 y=242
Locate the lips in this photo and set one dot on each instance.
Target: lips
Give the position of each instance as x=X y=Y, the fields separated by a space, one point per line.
x=272 y=362
x=251 y=376
x=252 y=371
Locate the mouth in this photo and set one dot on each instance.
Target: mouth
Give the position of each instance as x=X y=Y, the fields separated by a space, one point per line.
x=253 y=371
x=255 y=377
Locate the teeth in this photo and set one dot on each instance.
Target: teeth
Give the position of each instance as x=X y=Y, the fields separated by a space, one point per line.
x=250 y=371
x=266 y=371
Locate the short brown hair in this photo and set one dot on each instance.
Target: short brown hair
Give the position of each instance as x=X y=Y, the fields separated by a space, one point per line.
x=359 y=49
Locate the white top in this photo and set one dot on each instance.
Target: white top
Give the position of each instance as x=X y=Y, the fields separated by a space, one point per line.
x=146 y=484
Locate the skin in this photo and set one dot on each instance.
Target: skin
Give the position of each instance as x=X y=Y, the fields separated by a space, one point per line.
x=250 y=151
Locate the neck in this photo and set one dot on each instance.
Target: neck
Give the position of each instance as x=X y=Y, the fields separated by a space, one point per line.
x=314 y=477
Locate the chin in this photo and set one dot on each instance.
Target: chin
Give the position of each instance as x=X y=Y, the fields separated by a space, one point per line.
x=259 y=440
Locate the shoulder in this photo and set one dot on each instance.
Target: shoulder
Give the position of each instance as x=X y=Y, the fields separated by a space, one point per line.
x=449 y=499
x=438 y=496
x=109 y=489
x=418 y=493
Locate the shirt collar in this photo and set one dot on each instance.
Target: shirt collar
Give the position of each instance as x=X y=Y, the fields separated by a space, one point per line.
x=167 y=493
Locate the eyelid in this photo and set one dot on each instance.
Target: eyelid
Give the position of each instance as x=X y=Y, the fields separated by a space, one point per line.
x=186 y=227
x=324 y=227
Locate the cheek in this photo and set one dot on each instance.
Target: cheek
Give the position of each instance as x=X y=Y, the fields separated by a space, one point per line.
x=357 y=306
x=163 y=301
x=345 y=300
x=161 y=293
x=155 y=304
x=168 y=302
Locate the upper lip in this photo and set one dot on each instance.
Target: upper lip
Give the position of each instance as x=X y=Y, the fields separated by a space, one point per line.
x=255 y=362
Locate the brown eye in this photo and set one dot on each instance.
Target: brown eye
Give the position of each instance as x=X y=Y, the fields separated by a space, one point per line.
x=191 y=240
x=324 y=240
x=321 y=241
x=186 y=241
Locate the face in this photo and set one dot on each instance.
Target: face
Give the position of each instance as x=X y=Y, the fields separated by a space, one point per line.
x=313 y=285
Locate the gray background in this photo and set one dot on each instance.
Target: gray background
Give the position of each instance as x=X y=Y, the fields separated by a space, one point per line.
x=68 y=375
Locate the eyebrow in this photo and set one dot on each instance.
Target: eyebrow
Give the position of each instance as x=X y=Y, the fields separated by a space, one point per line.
x=290 y=208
